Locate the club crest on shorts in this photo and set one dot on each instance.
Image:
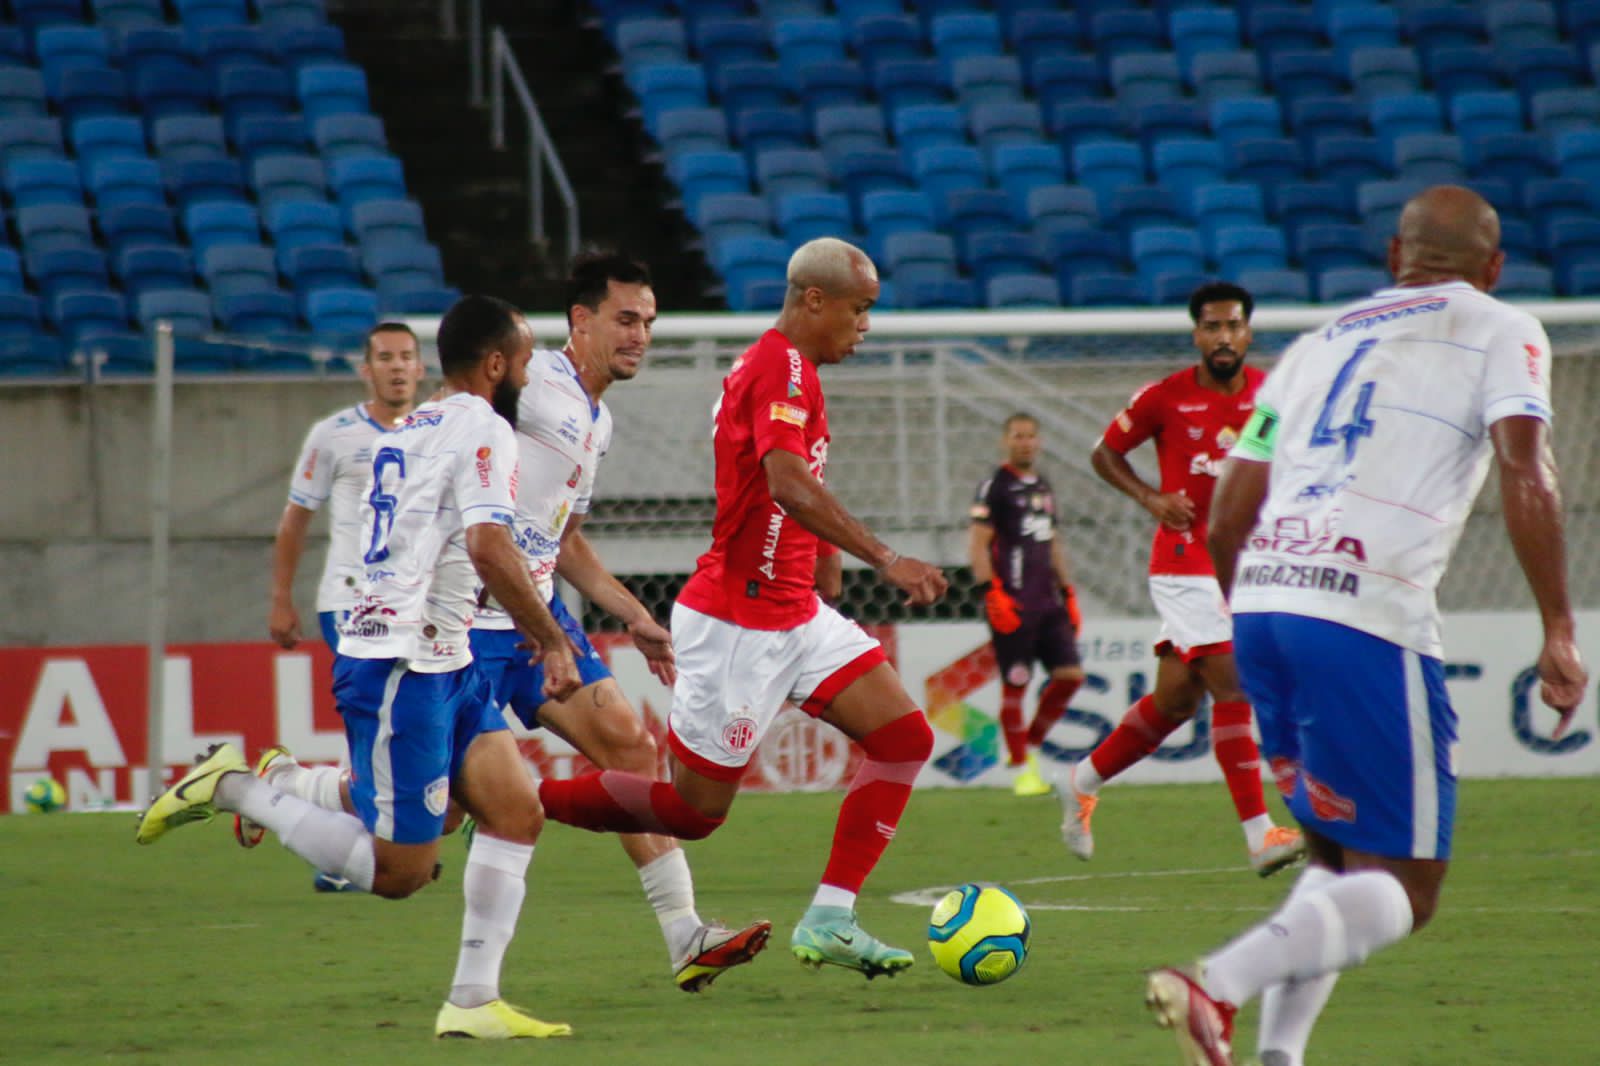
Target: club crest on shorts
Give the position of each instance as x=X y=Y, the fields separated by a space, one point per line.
x=1017 y=675
x=739 y=734
x=436 y=797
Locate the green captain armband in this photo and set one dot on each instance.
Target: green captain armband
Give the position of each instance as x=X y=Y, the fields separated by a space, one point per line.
x=1260 y=436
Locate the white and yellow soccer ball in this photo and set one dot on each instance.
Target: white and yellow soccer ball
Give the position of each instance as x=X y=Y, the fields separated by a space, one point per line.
x=978 y=934
x=45 y=796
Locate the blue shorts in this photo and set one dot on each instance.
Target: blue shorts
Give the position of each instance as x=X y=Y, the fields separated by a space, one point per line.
x=515 y=682
x=1368 y=721
x=408 y=734
x=330 y=621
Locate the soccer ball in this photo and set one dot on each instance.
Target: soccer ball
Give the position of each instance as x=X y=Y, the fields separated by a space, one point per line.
x=45 y=795
x=978 y=934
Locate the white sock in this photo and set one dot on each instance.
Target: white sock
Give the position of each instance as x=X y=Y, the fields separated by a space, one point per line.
x=1255 y=831
x=494 y=884
x=834 y=896
x=332 y=841
x=1085 y=778
x=670 y=890
x=1290 y=1009
x=1322 y=931
x=314 y=784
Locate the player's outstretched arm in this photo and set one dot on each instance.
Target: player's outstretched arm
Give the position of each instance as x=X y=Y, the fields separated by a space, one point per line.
x=504 y=571
x=808 y=502
x=1530 y=494
x=1241 y=489
x=283 y=622
x=581 y=565
x=1172 y=509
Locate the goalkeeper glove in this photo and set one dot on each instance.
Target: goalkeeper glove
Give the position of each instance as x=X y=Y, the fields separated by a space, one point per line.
x=1000 y=608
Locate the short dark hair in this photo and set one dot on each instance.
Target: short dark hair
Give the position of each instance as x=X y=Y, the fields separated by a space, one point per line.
x=592 y=273
x=1015 y=417
x=388 y=327
x=472 y=328
x=1220 y=292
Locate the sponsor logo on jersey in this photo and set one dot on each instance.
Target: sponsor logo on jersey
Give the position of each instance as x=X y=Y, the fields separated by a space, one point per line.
x=739 y=734
x=1191 y=408
x=443 y=650
x=421 y=420
x=795 y=373
x=1202 y=465
x=1325 y=491
x=534 y=543
x=1372 y=317
x=588 y=442
x=819 y=458
x=1292 y=576
x=1196 y=432
x=577 y=472
x=436 y=797
x=1125 y=423
x=769 y=544
x=1327 y=804
x=794 y=389
x=1535 y=375
x=568 y=429
x=484 y=466
x=788 y=412
x=1227 y=438
x=311 y=465
x=1294 y=536
x=560 y=520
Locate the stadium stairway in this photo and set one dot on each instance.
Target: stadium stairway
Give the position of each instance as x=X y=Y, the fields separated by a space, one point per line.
x=476 y=198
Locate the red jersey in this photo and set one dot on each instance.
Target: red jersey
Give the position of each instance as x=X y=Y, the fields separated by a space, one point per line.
x=761 y=570
x=1194 y=428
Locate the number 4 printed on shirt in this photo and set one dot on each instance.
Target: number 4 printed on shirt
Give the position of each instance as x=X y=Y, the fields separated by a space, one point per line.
x=1359 y=425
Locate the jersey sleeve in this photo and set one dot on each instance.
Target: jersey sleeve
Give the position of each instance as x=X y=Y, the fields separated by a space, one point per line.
x=982 y=509
x=312 y=480
x=777 y=419
x=1137 y=423
x=485 y=473
x=1516 y=373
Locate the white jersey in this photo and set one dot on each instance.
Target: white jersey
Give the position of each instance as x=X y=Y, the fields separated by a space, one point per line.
x=448 y=466
x=1376 y=426
x=335 y=467
x=561 y=438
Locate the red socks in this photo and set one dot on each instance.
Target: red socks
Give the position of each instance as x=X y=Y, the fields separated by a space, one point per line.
x=877 y=797
x=1052 y=705
x=1142 y=730
x=610 y=801
x=1235 y=748
x=1011 y=723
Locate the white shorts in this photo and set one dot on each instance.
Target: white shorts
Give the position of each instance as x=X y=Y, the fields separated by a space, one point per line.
x=733 y=681
x=1195 y=620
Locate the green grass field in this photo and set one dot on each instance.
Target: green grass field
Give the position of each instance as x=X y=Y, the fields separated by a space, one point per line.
x=193 y=952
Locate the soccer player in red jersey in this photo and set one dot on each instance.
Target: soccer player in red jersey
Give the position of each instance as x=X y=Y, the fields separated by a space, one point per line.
x=1019 y=562
x=1194 y=417
x=751 y=633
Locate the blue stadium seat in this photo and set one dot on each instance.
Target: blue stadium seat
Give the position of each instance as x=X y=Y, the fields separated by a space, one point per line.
x=1162 y=120
x=760 y=294
x=1292 y=75
x=1271 y=30
x=964 y=212
x=293 y=223
x=1039 y=34
x=720 y=41
x=400 y=267
x=256 y=311
x=702 y=174
x=1514 y=157
x=1431 y=157
x=1313 y=118
x=642 y=41
x=1577 y=154
x=67 y=269
x=892 y=211
x=153 y=266
x=60 y=47
x=1343 y=284
x=75 y=312
x=1378 y=203
x=1013 y=122
x=253 y=89
x=1580 y=22
x=804 y=42
x=1184 y=163
x=22 y=93
x=19 y=315
x=1118 y=32
x=204 y=14
x=961 y=34
x=806 y=216
x=1462 y=69
x=234 y=268
x=761 y=129
x=903 y=82
x=185 y=137
x=734 y=214
x=1403 y=114
x=1221 y=75
x=421 y=301
x=1325 y=246
x=1355 y=27
x=188 y=310
x=885 y=38
x=43 y=181
x=1053 y=207
x=94 y=139
x=1020 y=291
x=89 y=92
x=986 y=79
x=116 y=183
x=341 y=310
x=1267 y=161
x=121 y=16
x=1551 y=199
x=358 y=178
x=14 y=47
x=1106 y=166
x=850 y=127
x=1072 y=252
x=692 y=129
x=300 y=46
x=1473 y=114
x=937 y=294
x=291 y=12
x=340 y=88
x=1376 y=72
x=290 y=177
x=29 y=138
x=1201 y=31
x=1138 y=206
x=153 y=45
x=338 y=135
x=195 y=180
x=1537 y=69
x=1058 y=78
x=1079 y=122
x=740 y=87
x=938 y=170
x=1166 y=250
x=741 y=260
x=1018 y=169
x=913 y=256
x=1174 y=287
x=1223 y=206
x=33 y=14
x=1518 y=24
x=1145 y=77
x=381 y=221
x=322 y=266
x=1525 y=281
x=1352 y=160
x=781 y=171
x=1243 y=248
x=1269 y=287
x=865 y=170
x=224 y=46
x=832 y=84
x=164 y=89
x=989 y=254
x=1106 y=290
x=219 y=222
x=1554 y=111
x=1444 y=25
x=1246 y=118
x=49 y=227
x=137 y=223
x=259 y=136
x=10 y=270
x=1583 y=279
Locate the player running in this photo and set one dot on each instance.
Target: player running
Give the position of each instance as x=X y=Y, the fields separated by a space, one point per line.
x=418 y=714
x=1357 y=472
x=1032 y=611
x=751 y=633
x=1194 y=417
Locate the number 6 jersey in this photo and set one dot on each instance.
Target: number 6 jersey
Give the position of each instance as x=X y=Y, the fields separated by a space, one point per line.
x=449 y=465
x=1376 y=426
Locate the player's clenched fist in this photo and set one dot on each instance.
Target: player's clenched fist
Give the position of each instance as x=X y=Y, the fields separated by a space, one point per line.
x=923 y=583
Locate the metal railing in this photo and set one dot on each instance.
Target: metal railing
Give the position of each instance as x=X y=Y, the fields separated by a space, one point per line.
x=542 y=155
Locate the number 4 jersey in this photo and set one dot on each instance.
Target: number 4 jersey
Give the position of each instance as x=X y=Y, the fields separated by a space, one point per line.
x=448 y=466
x=1376 y=426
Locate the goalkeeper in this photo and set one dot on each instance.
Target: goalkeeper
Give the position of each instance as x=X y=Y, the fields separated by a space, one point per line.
x=1021 y=566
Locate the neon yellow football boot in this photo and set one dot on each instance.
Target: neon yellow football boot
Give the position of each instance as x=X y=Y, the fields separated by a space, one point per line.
x=495 y=1020
x=190 y=799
